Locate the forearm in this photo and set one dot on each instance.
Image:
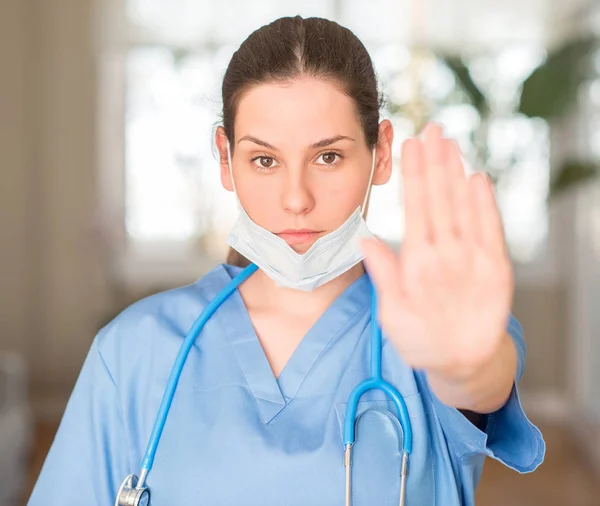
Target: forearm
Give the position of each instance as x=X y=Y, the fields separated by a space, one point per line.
x=484 y=390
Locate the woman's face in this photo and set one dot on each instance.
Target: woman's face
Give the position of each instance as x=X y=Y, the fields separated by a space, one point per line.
x=301 y=164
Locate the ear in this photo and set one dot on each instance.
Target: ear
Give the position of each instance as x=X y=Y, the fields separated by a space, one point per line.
x=221 y=141
x=383 y=153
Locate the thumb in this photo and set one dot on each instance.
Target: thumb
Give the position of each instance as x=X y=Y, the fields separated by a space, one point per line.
x=382 y=265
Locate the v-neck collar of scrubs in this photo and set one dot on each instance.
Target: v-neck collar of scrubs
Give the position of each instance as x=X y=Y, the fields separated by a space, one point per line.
x=271 y=393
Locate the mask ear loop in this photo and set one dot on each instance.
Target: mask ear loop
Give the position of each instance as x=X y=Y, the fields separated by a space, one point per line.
x=364 y=204
x=230 y=162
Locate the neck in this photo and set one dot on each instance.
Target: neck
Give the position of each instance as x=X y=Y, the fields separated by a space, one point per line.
x=268 y=293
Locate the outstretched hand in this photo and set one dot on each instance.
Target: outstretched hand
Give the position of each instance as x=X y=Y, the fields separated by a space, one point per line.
x=445 y=298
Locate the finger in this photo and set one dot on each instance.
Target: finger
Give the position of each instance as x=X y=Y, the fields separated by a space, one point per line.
x=438 y=183
x=416 y=218
x=474 y=184
x=459 y=199
x=490 y=220
x=382 y=266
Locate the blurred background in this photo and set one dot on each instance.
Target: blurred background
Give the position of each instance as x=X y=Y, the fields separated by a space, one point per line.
x=109 y=185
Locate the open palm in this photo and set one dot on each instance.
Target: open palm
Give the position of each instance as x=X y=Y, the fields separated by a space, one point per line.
x=445 y=298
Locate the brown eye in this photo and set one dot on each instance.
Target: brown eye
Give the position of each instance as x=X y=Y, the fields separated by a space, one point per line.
x=266 y=162
x=329 y=158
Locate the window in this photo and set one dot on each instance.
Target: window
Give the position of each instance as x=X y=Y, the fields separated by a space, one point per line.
x=173 y=56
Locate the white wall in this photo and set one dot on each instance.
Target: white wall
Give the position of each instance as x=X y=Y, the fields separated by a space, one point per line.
x=53 y=292
x=17 y=251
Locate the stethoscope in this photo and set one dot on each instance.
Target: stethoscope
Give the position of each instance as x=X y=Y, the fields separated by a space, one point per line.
x=133 y=491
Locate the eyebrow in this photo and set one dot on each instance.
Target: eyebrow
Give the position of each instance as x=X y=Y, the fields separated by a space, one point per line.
x=320 y=144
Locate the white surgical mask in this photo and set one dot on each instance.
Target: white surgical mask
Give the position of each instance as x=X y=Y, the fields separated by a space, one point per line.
x=328 y=257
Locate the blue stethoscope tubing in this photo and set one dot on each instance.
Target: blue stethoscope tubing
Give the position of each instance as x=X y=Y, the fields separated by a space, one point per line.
x=184 y=351
x=375 y=382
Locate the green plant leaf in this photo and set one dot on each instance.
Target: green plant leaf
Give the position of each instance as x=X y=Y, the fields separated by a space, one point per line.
x=571 y=173
x=462 y=74
x=552 y=88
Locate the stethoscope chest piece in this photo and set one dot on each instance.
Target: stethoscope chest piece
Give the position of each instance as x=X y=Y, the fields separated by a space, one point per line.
x=130 y=495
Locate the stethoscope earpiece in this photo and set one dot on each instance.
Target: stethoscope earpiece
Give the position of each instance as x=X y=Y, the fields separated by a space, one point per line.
x=130 y=495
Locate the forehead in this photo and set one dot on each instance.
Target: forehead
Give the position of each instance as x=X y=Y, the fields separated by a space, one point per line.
x=296 y=113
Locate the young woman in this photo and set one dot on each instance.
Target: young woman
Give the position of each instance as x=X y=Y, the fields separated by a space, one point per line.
x=258 y=414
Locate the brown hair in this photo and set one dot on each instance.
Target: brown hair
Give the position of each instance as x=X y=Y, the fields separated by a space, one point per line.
x=291 y=47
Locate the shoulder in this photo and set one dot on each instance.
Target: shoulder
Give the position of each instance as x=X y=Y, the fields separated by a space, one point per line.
x=160 y=321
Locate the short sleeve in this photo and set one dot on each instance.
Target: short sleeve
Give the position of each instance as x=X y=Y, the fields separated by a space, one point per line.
x=88 y=458
x=509 y=436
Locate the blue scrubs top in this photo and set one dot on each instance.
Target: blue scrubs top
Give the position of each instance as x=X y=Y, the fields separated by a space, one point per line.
x=238 y=435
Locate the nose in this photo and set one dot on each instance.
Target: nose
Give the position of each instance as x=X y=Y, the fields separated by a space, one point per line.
x=297 y=197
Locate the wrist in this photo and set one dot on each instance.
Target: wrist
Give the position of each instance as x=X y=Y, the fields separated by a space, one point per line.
x=478 y=386
x=466 y=366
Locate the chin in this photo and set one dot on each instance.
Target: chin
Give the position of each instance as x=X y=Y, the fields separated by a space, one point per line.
x=301 y=248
